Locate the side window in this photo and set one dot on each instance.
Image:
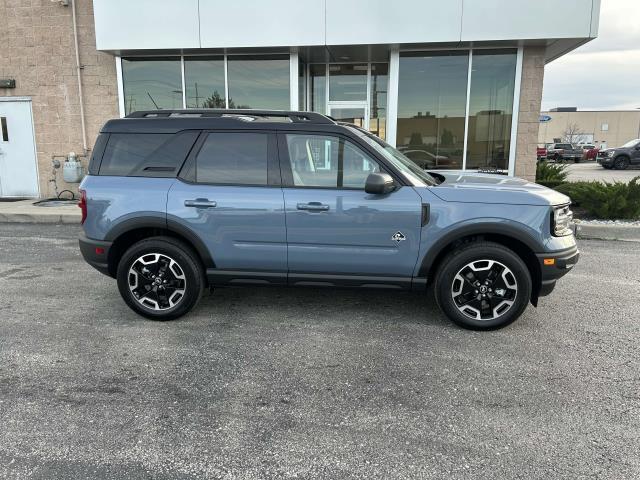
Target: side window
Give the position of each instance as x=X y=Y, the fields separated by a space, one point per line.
x=328 y=161
x=146 y=154
x=233 y=158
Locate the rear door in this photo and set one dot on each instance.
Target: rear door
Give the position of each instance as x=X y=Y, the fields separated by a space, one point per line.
x=336 y=229
x=230 y=196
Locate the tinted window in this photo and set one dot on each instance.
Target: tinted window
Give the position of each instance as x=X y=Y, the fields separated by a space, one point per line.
x=233 y=158
x=146 y=154
x=326 y=161
x=96 y=154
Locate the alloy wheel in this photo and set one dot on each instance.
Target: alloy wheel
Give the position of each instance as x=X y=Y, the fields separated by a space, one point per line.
x=484 y=289
x=157 y=281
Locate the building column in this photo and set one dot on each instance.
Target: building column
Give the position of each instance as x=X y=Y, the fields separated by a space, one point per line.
x=392 y=95
x=529 y=112
x=293 y=81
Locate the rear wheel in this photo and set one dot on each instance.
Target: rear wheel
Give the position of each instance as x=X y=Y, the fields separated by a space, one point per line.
x=621 y=163
x=482 y=286
x=160 y=278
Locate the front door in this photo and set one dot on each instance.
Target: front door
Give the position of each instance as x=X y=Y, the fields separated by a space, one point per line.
x=18 y=167
x=350 y=112
x=334 y=228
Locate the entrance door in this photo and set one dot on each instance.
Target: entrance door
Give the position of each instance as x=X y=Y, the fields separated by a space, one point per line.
x=351 y=112
x=18 y=168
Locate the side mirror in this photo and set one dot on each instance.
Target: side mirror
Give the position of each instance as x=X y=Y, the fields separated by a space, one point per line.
x=379 y=184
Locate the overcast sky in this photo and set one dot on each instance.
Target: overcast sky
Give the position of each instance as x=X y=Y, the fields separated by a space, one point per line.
x=605 y=73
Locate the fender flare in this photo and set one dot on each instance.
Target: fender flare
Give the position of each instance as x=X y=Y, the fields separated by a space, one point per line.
x=469 y=229
x=165 y=224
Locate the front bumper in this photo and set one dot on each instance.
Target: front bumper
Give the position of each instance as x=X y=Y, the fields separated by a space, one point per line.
x=554 y=266
x=605 y=160
x=95 y=253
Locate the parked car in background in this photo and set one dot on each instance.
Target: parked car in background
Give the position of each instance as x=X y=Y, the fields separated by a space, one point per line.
x=620 y=158
x=589 y=152
x=426 y=159
x=179 y=201
x=562 y=152
x=541 y=152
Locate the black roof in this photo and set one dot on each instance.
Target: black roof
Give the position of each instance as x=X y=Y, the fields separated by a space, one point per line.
x=168 y=121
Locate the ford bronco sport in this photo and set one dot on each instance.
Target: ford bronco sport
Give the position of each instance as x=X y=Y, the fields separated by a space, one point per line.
x=177 y=201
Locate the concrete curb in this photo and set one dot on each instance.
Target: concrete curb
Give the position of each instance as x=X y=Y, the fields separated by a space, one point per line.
x=628 y=233
x=24 y=211
x=39 y=218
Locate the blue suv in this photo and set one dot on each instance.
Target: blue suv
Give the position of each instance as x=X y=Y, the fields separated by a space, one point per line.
x=178 y=201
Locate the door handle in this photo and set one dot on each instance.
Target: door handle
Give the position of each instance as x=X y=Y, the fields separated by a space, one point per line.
x=313 y=207
x=200 y=203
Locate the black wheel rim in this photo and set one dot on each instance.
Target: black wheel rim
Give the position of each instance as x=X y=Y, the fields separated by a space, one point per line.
x=157 y=281
x=484 y=289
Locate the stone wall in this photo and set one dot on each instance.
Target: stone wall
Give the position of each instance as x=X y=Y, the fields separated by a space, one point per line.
x=37 y=50
x=529 y=115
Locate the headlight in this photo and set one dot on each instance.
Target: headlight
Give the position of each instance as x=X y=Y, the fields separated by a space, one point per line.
x=561 y=219
x=610 y=153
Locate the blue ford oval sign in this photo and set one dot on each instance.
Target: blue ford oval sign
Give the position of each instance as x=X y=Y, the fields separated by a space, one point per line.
x=545 y=118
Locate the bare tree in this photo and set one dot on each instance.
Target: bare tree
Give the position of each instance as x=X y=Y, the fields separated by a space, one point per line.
x=573 y=134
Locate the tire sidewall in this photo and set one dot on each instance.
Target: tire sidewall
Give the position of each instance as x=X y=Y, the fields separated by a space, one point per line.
x=454 y=263
x=189 y=265
x=621 y=163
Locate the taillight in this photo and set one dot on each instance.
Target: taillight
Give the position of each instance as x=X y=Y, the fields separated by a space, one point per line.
x=83 y=205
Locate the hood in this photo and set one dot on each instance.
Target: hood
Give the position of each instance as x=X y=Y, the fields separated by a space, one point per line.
x=470 y=187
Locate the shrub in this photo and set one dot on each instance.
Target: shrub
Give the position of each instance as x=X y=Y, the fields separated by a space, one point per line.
x=551 y=174
x=606 y=200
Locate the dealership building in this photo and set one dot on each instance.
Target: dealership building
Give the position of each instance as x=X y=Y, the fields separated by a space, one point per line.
x=454 y=85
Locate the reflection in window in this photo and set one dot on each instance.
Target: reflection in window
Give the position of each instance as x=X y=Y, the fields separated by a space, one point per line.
x=326 y=161
x=431 y=108
x=317 y=77
x=490 y=109
x=378 y=117
x=347 y=82
x=259 y=81
x=204 y=82
x=302 y=86
x=151 y=83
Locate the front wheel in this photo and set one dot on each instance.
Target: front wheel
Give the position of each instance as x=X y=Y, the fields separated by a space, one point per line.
x=482 y=286
x=621 y=163
x=160 y=278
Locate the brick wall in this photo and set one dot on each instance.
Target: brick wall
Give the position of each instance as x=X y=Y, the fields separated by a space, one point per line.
x=37 y=49
x=529 y=115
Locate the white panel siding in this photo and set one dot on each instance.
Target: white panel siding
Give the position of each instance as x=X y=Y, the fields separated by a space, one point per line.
x=146 y=24
x=168 y=24
x=260 y=23
x=392 y=21
x=526 y=19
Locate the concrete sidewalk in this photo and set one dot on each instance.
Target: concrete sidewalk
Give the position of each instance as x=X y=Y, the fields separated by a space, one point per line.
x=24 y=211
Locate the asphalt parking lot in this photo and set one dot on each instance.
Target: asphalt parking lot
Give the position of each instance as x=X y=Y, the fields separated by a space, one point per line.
x=589 y=171
x=279 y=383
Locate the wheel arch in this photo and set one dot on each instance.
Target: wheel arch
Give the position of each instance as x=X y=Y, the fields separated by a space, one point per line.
x=519 y=243
x=131 y=231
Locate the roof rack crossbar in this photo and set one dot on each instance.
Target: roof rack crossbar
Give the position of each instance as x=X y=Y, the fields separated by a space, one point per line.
x=292 y=116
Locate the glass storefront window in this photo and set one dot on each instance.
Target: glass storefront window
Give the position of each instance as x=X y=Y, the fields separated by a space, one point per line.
x=379 y=82
x=490 y=109
x=302 y=86
x=432 y=100
x=259 y=81
x=318 y=86
x=151 y=83
x=347 y=82
x=204 y=82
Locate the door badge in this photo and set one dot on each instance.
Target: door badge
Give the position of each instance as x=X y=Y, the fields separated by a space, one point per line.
x=398 y=237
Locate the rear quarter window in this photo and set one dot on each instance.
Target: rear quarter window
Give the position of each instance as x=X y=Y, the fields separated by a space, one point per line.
x=146 y=154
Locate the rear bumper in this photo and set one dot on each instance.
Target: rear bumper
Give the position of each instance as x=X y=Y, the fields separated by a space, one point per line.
x=554 y=266
x=95 y=253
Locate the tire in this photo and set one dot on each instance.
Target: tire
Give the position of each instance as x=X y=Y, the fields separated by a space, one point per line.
x=170 y=269
x=512 y=283
x=621 y=163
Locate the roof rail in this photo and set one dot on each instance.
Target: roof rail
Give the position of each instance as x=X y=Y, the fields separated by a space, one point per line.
x=291 y=116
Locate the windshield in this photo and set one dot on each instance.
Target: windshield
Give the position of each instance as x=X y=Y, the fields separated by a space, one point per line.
x=631 y=143
x=412 y=172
